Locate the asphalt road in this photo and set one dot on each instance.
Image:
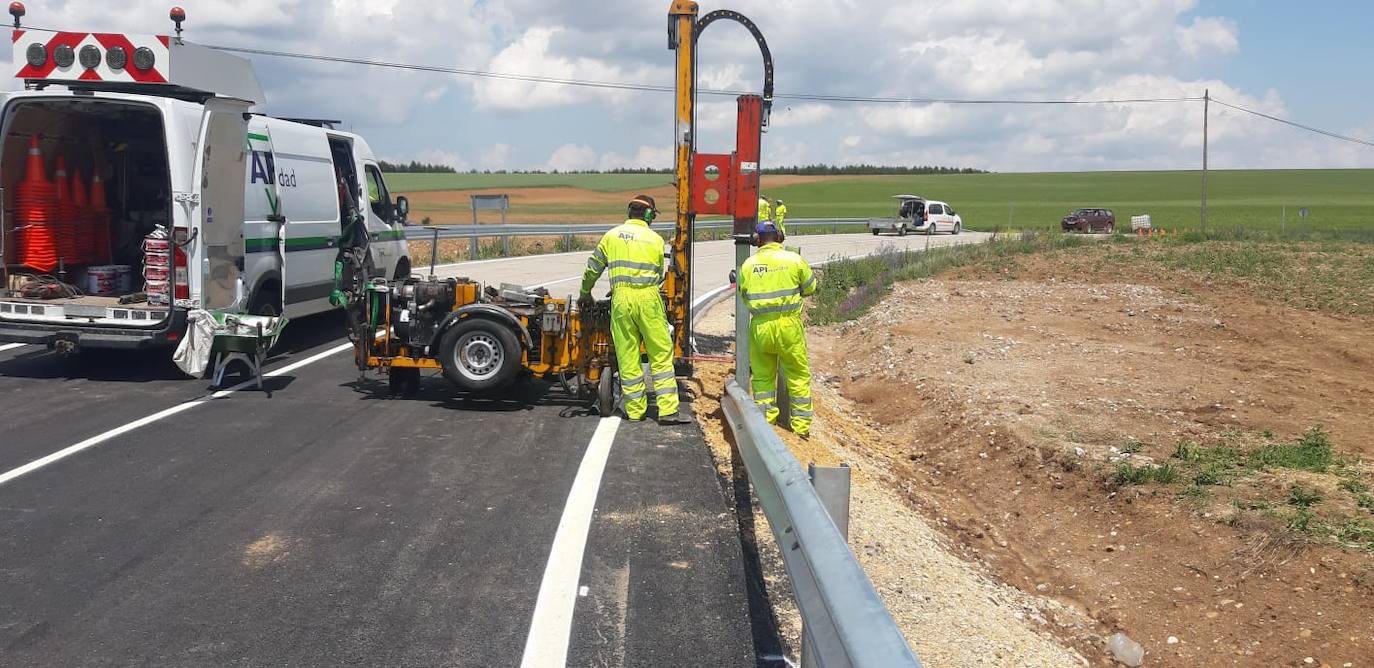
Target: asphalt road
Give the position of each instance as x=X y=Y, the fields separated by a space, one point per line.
x=144 y=520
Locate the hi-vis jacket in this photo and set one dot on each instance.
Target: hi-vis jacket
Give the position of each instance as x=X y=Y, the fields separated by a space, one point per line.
x=774 y=280
x=634 y=255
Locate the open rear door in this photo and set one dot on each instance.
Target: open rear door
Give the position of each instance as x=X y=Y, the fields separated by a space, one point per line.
x=221 y=167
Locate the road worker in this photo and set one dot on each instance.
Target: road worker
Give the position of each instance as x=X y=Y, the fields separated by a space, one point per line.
x=634 y=255
x=780 y=217
x=765 y=209
x=772 y=284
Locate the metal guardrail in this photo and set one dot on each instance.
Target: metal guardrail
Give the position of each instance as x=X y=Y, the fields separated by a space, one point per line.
x=505 y=232
x=845 y=621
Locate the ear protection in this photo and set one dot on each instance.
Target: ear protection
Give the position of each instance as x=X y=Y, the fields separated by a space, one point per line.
x=649 y=213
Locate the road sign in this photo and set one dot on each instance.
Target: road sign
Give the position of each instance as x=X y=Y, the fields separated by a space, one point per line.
x=1303 y=213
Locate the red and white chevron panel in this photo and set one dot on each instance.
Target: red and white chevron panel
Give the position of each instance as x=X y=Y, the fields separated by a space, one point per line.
x=158 y=44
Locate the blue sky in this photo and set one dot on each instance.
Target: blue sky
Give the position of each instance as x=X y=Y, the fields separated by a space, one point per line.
x=1303 y=61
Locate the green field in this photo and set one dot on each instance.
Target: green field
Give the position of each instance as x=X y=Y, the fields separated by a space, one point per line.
x=1336 y=199
x=1253 y=199
x=403 y=183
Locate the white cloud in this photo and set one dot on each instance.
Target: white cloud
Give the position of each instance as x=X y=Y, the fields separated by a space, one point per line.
x=1208 y=35
x=652 y=157
x=440 y=157
x=498 y=156
x=572 y=158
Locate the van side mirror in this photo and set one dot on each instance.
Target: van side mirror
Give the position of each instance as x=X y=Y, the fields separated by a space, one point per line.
x=402 y=209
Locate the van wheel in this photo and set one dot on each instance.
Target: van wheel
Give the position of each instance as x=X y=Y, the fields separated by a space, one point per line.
x=958 y=227
x=267 y=302
x=930 y=228
x=1111 y=228
x=901 y=231
x=874 y=231
x=479 y=355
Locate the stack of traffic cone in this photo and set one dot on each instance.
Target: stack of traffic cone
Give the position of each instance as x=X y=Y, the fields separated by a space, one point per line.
x=35 y=212
x=100 y=210
x=65 y=227
x=83 y=223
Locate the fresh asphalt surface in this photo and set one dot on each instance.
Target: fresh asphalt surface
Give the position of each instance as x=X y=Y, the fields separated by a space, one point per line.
x=322 y=523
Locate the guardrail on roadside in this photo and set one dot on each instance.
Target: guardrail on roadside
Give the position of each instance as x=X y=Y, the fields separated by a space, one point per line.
x=845 y=622
x=474 y=233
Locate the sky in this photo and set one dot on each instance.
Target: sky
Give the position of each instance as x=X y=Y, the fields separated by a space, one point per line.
x=1303 y=61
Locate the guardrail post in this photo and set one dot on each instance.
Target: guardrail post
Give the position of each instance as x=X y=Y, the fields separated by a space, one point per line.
x=567 y=243
x=832 y=486
x=505 y=238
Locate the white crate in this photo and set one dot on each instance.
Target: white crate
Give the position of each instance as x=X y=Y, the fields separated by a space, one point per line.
x=1140 y=223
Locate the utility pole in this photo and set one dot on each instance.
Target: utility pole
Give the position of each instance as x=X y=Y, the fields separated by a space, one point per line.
x=1206 y=106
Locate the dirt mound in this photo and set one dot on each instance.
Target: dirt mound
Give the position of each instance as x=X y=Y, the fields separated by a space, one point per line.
x=1030 y=419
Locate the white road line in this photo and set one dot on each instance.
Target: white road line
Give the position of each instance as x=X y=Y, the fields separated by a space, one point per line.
x=10 y=346
x=160 y=415
x=551 y=627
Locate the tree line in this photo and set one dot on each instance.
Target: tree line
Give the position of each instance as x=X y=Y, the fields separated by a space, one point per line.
x=798 y=170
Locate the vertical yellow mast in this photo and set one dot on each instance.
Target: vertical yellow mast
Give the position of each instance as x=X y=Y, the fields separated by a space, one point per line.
x=682 y=19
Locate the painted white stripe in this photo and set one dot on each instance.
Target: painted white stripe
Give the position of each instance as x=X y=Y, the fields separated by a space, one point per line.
x=160 y=415
x=10 y=346
x=551 y=628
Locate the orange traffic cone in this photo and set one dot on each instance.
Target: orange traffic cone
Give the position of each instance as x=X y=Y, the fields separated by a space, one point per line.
x=83 y=223
x=100 y=209
x=35 y=206
x=66 y=215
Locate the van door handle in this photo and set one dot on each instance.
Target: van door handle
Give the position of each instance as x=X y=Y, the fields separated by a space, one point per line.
x=276 y=218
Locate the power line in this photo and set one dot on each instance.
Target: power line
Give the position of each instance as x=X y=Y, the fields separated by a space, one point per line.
x=585 y=83
x=1276 y=119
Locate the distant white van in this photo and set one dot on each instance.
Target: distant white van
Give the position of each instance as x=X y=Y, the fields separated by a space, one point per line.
x=252 y=204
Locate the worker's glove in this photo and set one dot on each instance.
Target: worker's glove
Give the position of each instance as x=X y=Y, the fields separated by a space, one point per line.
x=585 y=302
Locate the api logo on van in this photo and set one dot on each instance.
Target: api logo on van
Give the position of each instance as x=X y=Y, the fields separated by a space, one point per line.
x=265 y=171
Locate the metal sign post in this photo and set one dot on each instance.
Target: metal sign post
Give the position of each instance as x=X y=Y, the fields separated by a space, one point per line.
x=491 y=203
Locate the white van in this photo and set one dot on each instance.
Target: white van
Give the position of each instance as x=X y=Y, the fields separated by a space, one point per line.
x=252 y=204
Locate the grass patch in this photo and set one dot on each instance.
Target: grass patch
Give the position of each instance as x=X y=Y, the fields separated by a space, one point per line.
x=1303 y=497
x=1312 y=452
x=1161 y=474
x=850 y=287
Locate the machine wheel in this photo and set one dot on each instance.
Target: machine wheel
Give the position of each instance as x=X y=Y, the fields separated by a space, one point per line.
x=958 y=227
x=404 y=382
x=605 y=393
x=479 y=355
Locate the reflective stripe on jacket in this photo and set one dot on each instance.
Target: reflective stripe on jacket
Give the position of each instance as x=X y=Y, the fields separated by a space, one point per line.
x=774 y=280
x=634 y=255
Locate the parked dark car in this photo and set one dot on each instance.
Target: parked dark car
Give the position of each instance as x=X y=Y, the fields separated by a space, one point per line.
x=1090 y=220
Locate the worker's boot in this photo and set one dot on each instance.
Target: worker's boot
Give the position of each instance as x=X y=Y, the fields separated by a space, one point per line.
x=673 y=419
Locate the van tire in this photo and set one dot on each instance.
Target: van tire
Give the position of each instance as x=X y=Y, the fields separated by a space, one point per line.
x=874 y=231
x=958 y=227
x=901 y=231
x=480 y=355
x=266 y=301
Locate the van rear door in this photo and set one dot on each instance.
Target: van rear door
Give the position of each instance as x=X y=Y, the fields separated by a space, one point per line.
x=220 y=167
